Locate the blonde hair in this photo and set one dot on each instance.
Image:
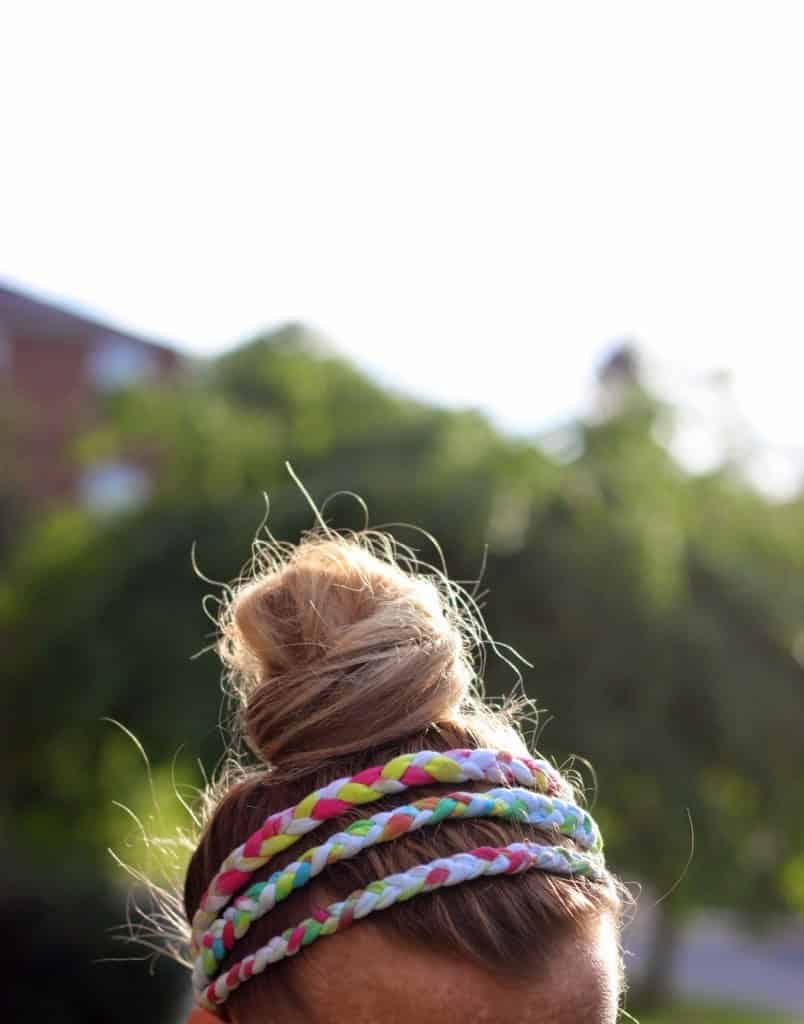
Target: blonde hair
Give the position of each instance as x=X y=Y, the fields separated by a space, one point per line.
x=342 y=653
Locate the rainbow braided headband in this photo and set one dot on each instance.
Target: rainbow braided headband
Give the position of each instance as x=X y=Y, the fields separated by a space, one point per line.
x=532 y=794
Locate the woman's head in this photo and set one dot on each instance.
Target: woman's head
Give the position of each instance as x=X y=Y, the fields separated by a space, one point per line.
x=342 y=661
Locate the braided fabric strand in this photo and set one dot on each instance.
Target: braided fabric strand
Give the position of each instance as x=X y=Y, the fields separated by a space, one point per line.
x=281 y=830
x=384 y=892
x=512 y=804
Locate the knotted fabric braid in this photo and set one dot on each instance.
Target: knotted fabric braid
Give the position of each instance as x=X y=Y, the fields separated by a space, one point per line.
x=282 y=829
x=382 y=893
x=513 y=804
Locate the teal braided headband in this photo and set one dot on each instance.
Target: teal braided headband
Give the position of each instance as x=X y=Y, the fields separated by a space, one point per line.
x=511 y=804
x=382 y=893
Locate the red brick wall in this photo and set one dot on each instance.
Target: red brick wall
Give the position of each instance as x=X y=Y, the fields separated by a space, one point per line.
x=51 y=394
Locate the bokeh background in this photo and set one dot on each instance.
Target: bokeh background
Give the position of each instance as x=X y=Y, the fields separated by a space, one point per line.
x=526 y=278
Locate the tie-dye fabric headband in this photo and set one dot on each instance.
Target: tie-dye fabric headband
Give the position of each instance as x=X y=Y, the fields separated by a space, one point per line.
x=281 y=830
x=515 y=804
x=542 y=804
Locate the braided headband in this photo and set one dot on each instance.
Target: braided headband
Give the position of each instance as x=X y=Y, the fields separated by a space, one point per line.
x=382 y=893
x=260 y=898
x=281 y=830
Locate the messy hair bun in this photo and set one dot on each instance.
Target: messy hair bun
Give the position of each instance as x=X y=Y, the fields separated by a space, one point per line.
x=335 y=646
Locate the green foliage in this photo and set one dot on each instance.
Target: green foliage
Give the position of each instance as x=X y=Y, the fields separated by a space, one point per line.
x=660 y=615
x=661 y=612
x=716 y=1015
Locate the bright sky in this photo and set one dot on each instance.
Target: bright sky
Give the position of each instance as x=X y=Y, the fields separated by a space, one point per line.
x=474 y=199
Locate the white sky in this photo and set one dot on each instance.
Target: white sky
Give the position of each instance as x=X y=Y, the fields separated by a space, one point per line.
x=474 y=199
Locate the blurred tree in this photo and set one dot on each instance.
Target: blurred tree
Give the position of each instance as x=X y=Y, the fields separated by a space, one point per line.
x=661 y=611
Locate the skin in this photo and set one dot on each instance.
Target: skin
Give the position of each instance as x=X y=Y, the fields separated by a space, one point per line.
x=365 y=977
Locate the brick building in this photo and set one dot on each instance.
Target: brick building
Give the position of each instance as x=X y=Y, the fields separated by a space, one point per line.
x=55 y=366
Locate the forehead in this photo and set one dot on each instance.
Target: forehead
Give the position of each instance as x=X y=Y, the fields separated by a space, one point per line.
x=366 y=976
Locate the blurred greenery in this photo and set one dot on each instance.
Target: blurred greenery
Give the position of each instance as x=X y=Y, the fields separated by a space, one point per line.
x=708 y=1014
x=663 y=613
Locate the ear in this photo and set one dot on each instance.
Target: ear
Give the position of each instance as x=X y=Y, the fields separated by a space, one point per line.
x=199 y=1016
